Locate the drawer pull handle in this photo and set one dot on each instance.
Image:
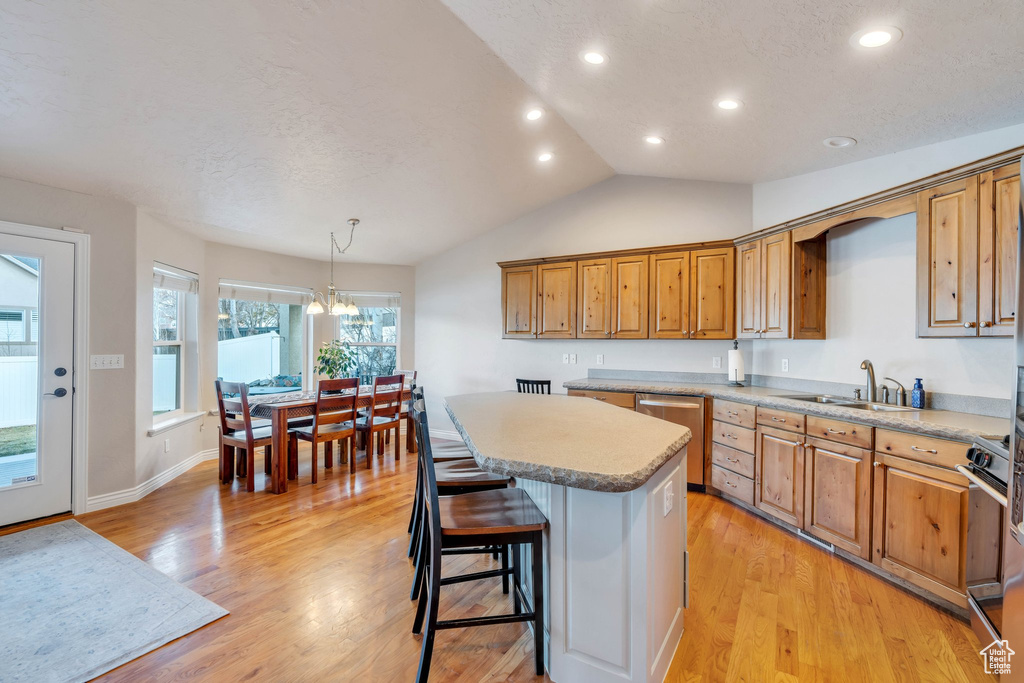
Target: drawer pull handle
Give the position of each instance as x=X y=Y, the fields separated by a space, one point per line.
x=731 y=412
x=733 y=460
x=836 y=431
x=600 y=398
x=729 y=483
x=778 y=419
x=730 y=436
x=924 y=450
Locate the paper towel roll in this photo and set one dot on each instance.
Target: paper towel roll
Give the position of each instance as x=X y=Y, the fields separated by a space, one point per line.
x=736 y=366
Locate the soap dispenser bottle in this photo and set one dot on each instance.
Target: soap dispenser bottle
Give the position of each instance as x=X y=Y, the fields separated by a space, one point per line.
x=917 y=394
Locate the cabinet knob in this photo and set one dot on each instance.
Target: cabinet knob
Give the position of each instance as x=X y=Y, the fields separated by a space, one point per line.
x=969 y=324
x=986 y=324
x=877 y=464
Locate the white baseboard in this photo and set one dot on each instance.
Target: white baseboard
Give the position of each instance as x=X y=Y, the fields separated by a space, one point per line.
x=449 y=434
x=109 y=500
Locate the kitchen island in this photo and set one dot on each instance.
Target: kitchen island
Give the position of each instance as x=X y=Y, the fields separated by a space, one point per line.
x=612 y=484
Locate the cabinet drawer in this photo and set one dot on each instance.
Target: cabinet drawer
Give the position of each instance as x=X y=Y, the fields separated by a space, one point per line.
x=780 y=419
x=741 y=414
x=926 y=449
x=740 y=438
x=616 y=398
x=842 y=432
x=733 y=460
x=732 y=484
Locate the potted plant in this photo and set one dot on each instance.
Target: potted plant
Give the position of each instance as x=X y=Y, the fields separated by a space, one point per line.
x=336 y=359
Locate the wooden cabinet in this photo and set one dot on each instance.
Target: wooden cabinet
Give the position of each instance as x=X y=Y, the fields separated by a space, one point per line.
x=594 y=297
x=712 y=293
x=837 y=502
x=764 y=286
x=947 y=260
x=808 y=311
x=629 y=297
x=670 y=295
x=556 y=300
x=779 y=474
x=519 y=302
x=616 y=398
x=998 y=206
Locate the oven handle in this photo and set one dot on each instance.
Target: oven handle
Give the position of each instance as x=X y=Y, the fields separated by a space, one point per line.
x=981 y=484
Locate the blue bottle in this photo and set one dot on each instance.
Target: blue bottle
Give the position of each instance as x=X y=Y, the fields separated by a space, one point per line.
x=917 y=394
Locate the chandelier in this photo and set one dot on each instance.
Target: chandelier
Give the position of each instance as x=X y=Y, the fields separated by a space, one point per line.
x=334 y=302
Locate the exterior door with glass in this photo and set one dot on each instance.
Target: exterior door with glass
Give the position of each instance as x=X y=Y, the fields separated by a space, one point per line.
x=37 y=282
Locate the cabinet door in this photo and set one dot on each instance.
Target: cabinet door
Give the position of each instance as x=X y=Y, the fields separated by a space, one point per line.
x=838 y=495
x=999 y=202
x=594 y=316
x=556 y=300
x=629 y=300
x=776 y=262
x=748 y=273
x=519 y=302
x=947 y=260
x=670 y=295
x=920 y=525
x=713 y=293
x=779 y=474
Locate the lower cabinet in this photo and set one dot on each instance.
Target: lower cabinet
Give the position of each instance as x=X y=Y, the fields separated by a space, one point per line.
x=837 y=505
x=779 y=474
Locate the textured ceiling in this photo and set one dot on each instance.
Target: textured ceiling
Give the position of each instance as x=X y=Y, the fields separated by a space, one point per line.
x=270 y=123
x=958 y=70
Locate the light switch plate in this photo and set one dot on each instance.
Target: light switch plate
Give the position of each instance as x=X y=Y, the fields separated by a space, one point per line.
x=785 y=365
x=572 y=358
x=600 y=359
x=565 y=358
x=107 y=362
x=716 y=361
x=667 y=501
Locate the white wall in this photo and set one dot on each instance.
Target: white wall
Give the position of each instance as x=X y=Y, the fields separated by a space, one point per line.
x=458 y=318
x=872 y=290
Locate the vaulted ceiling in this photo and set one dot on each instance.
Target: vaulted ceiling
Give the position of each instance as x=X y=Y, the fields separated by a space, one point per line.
x=270 y=123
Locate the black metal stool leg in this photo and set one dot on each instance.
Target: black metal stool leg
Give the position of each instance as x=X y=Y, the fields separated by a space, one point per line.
x=504 y=566
x=517 y=578
x=538 y=600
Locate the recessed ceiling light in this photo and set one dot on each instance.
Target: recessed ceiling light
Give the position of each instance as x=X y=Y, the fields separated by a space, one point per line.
x=534 y=114
x=728 y=104
x=876 y=36
x=654 y=140
x=838 y=142
x=591 y=57
x=546 y=156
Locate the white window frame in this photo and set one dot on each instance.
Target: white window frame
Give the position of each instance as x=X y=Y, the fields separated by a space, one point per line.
x=179 y=342
x=185 y=284
x=384 y=296
x=25 y=325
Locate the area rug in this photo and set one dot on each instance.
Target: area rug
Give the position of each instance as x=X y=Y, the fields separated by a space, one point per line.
x=73 y=605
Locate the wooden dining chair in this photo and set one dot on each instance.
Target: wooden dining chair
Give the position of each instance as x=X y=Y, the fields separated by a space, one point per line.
x=334 y=420
x=237 y=433
x=410 y=436
x=533 y=386
x=382 y=416
x=474 y=522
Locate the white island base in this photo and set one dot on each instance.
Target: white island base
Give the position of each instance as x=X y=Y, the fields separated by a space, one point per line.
x=615 y=569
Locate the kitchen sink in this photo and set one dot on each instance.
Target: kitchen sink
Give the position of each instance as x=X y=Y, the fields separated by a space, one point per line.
x=879 y=407
x=823 y=398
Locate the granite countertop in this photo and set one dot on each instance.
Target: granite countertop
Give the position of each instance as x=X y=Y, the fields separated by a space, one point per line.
x=562 y=440
x=944 y=424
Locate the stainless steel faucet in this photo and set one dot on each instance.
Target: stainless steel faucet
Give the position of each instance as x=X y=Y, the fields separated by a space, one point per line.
x=901 y=391
x=872 y=390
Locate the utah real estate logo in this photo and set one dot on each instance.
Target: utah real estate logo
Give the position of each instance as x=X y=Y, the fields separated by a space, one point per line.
x=997 y=657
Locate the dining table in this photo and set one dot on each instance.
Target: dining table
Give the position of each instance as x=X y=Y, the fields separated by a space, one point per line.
x=279 y=408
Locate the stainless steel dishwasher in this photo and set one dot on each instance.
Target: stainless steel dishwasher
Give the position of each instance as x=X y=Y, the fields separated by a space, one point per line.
x=689 y=412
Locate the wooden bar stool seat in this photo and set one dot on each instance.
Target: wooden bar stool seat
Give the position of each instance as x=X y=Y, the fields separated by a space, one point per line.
x=464 y=472
x=334 y=420
x=485 y=512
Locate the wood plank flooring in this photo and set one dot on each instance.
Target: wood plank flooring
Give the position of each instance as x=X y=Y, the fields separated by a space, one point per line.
x=317 y=582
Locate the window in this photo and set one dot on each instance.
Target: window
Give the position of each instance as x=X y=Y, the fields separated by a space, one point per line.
x=174 y=349
x=261 y=336
x=12 y=326
x=373 y=334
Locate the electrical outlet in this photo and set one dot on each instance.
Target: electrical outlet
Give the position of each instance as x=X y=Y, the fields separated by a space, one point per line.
x=565 y=358
x=600 y=359
x=167 y=445
x=572 y=359
x=667 y=501
x=716 y=361
x=785 y=365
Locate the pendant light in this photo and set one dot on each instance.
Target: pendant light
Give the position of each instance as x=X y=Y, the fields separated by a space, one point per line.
x=333 y=302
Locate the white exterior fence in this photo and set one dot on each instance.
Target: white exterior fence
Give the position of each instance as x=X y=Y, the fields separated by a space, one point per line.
x=165 y=382
x=249 y=358
x=19 y=393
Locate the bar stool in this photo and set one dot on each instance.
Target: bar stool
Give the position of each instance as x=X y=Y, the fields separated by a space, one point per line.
x=533 y=386
x=464 y=522
x=334 y=420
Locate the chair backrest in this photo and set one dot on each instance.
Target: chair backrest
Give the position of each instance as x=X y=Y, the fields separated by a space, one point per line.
x=533 y=386
x=335 y=402
x=409 y=375
x=233 y=405
x=418 y=412
x=387 y=396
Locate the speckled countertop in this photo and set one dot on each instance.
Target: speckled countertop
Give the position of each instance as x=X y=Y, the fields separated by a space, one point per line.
x=562 y=440
x=941 y=423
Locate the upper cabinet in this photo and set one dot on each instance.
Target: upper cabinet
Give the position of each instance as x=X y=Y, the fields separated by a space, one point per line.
x=629 y=301
x=594 y=299
x=748 y=288
x=764 y=285
x=998 y=205
x=556 y=300
x=967 y=256
x=713 y=293
x=519 y=302
x=670 y=295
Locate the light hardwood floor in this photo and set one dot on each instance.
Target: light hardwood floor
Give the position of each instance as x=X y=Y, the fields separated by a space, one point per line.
x=317 y=583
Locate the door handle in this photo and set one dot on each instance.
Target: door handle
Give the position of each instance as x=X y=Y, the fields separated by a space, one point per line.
x=668 y=404
x=59 y=392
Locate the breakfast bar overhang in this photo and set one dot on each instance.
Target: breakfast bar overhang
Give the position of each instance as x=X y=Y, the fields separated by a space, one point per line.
x=612 y=484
